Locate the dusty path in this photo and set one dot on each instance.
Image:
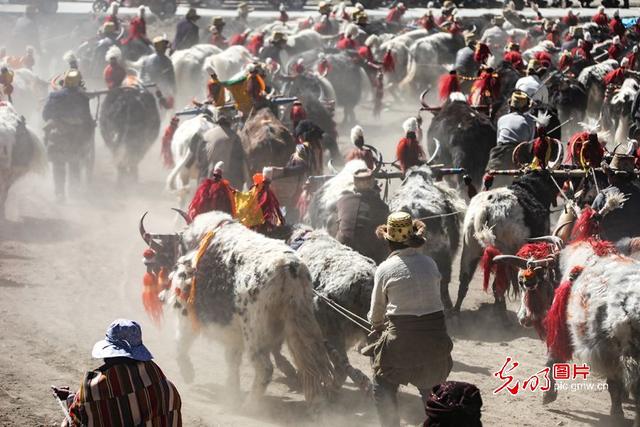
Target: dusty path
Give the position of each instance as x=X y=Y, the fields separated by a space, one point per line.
x=67 y=271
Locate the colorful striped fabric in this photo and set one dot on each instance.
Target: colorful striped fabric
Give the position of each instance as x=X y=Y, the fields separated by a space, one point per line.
x=127 y=393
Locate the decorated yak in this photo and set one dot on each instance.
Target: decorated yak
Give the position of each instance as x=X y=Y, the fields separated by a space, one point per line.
x=244 y=289
x=129 y=123
x=441 y=209
x=20 y=151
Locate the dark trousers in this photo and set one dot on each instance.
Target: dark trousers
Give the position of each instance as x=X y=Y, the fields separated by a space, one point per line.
x=60 y=176
x=385 y=396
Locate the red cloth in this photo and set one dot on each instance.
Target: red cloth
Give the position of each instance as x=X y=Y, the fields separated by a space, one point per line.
x=487 y=86
x=218 y=40
x=114 y=75
x=615 y=77
x=394 y=15
x=543 y=57
x=347 y=43
x=614 y=51
x=584 y=52
x=601 y=19
x=297 y=114
x=167 y=138
x=633 y=59
x=554 y=37
x=212 y=195
x=255 y=43
x=270 y=206
x=284 y=16
x=238 y=39
x=322 y=28
x=481 y=53
x=324 y=67
x=388 y=62
x=514 y=58
x=616 y=27
x=447 y=85
x=501 y=280
x=409 y=153
x=365 y=53
x=363 y=154
x=541 y=147
x=137 y=30
x=570 y=20
x=427 y=22
x=565 y=62
x=455 y=28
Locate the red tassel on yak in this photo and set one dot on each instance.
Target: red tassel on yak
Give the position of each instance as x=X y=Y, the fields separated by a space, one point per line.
x=558 y=339
x=165 y=151
x=448 y=84
x=501 y=280
x=586 y=226
x=388 y=63
x=150 y=300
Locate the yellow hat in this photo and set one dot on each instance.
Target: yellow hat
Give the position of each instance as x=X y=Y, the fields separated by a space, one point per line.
x=361 y=17
x=399 y=227
x=72 y=78
x=519 y=99
x=109 y=28
x=278 y=36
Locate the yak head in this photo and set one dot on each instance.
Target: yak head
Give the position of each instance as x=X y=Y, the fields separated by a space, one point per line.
x=537 y=272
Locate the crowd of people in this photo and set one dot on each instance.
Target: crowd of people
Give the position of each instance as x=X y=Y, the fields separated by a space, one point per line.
x=410 y=343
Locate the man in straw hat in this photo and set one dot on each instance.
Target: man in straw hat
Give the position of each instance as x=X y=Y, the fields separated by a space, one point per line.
x=406 y=309
x=622 y=176
x=129 y=389
x=216 y=28
x=68 y=131
x=157 y=68
x=242 y=14
x=495 y=36
x=518 y=125
x=359 y=212
x=187 y=31
x=273 y=49
x=6 y=84
x=465 y=64
x=532 y=83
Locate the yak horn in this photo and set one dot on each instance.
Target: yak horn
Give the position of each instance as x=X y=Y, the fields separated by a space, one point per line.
x=547 y=262
x=435 y=152
x=555 y=163
x=422 y=101
x=331 y=168
x=183 y=214
x=516 y=152
x=143 y=233
x=511 y=260
x=555 y=240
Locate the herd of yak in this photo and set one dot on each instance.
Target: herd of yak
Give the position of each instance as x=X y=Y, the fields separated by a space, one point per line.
x=255 y=293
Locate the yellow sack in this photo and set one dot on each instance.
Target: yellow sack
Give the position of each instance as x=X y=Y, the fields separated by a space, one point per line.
x=248 y=210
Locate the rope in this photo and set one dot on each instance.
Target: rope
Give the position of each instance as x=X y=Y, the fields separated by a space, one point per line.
x=440 y=216
x=345 y=313
x=595 y=181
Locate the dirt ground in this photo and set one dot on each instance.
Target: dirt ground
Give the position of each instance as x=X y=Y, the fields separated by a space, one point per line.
x=66 y=271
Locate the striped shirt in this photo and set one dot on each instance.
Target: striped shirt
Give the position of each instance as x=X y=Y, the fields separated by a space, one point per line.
x=125 y=392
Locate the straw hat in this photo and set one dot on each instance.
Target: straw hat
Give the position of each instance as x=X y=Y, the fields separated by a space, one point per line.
x=277 y=36
x=244 y=7
x=401 y=228
x=160 y=41
x=324 y=7
x=519 y=99
x=109 y=28
x=620 y=164
x=192 y=14
x=72 y=78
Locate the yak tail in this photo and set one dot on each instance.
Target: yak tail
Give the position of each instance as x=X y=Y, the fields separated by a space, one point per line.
x=305 y=341
x=173 y=175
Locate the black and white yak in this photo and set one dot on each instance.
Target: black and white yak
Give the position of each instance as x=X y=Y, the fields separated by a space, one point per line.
x=441 y=209
x=466 y=136
x=584 y=301
x=343 y=276
x=129 y=123
x=499 y=221
x=248 y=291
x=20 y=151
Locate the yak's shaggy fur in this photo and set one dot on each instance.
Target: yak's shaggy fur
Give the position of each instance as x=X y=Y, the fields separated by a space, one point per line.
x=504 y=218
x=342 y=275
x=424 y=197
x=256 y=293
x=602 y=317
x=322 y=212
x=129 y=124
x=20 y=151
